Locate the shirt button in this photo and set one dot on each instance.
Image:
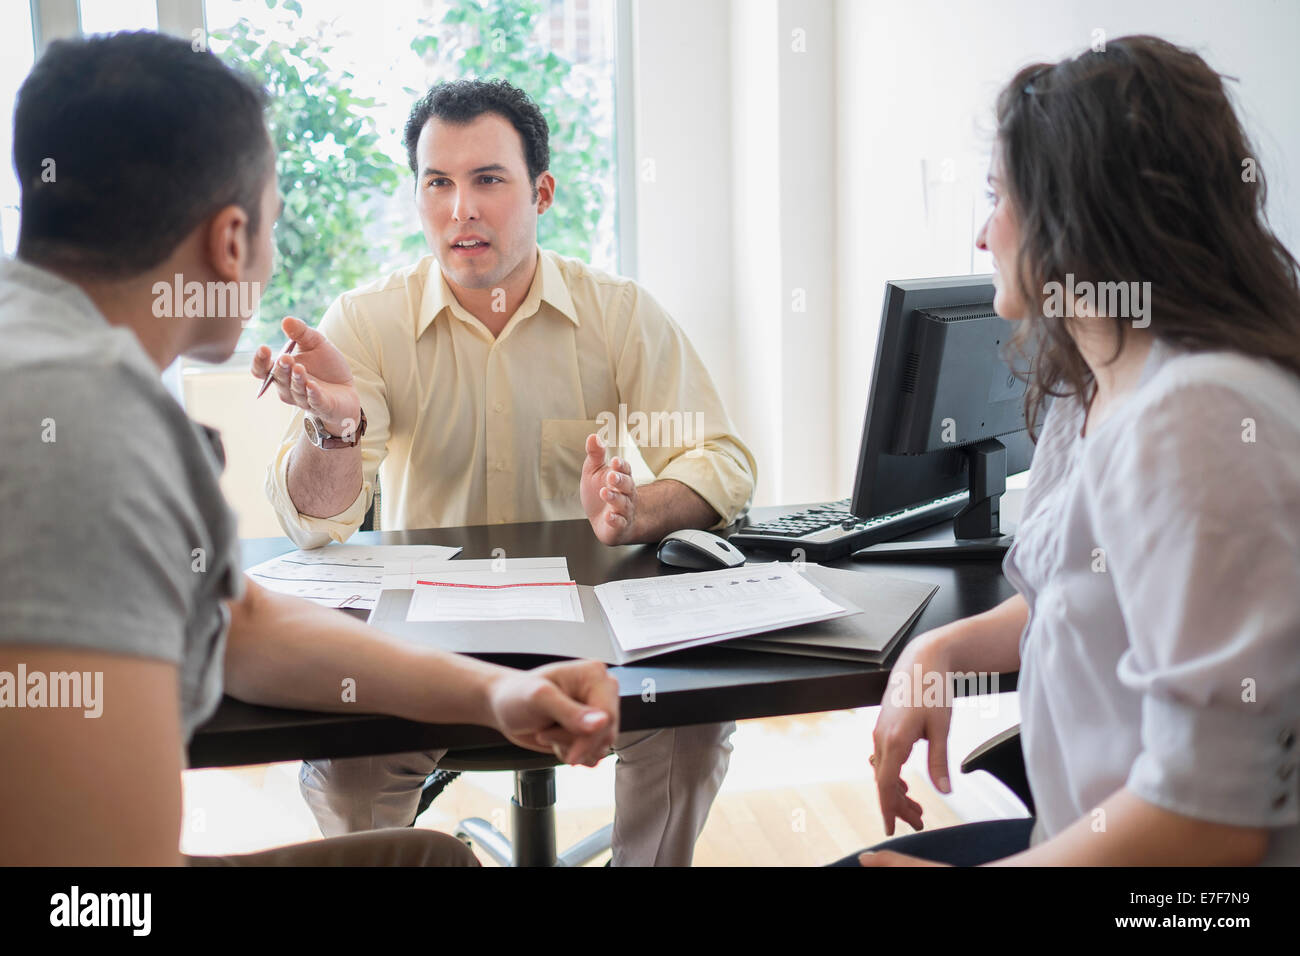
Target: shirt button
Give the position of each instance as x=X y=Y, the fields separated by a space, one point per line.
x=499 y=407
x=501 y=466
x=1286 y=738
x=1279 y=801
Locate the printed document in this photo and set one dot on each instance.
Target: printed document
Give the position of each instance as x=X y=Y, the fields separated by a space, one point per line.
x=651 y=612
x=344 y=575
x=496 y=589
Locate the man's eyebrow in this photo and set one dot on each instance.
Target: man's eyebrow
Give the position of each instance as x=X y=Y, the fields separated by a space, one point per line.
x=490 y=168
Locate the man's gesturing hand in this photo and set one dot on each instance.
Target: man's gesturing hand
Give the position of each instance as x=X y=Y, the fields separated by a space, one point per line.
x=608 y=494
x=315 y=377
x=569 y=709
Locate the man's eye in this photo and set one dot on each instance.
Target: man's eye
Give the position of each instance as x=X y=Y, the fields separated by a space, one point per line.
x=437 y=182
x=992 y=197
x=490 y=179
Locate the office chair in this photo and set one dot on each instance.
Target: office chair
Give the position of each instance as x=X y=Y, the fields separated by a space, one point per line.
x=532 y=808
x=1002 y=756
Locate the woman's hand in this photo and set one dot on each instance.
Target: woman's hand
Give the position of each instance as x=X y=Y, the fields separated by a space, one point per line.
x=904 y=719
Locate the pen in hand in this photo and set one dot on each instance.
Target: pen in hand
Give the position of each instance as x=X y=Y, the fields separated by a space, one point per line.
x=288 y=347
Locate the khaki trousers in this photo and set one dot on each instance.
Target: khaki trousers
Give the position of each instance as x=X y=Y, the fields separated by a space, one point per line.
x=664 y=785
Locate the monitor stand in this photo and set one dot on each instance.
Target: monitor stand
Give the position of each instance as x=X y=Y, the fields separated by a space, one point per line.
x=975 y=529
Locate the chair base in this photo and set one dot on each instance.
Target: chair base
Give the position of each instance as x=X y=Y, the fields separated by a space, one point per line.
x=478 y=833
x=532 y=812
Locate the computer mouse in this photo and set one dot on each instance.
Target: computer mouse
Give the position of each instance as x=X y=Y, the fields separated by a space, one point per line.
x=698 y=551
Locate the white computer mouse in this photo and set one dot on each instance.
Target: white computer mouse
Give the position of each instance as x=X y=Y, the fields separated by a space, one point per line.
x=698 y=551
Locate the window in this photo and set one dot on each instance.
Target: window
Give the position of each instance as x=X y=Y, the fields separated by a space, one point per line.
x=15 y=62
x=343 y=77
x=109 y=16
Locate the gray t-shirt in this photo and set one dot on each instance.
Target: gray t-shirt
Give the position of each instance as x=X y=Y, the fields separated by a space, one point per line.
x=116 y=535
x=1160 y=559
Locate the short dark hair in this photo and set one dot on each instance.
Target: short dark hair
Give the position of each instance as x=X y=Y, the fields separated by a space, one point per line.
x=123 y=144
x=462 y=101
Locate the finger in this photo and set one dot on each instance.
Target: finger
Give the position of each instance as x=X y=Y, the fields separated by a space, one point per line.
x=302 y=333
x=938 y=758
x=620 y=464
x=889 y=763
x=619 y=481
x=569 y=713
x=617 y=501
x=595 y=455
x=317 y=403
x=298 y=386
x=282 y=370
x=261 y=361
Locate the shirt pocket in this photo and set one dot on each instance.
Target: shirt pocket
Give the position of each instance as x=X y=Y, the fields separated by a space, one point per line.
x=564 y=447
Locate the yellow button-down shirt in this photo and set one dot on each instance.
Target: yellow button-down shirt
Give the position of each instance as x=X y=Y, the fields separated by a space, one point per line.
x=464 y=428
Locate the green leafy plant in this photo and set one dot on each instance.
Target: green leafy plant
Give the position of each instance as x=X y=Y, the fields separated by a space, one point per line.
x=329 y=165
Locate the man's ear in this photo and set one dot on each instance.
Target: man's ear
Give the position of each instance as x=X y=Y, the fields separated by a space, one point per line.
x=545 y=192
x=228 y=247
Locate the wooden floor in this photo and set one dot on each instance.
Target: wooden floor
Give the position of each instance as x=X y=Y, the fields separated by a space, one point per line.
x=799 y=792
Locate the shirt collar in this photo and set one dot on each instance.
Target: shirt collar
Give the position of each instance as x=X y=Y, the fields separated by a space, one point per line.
x=548 y=286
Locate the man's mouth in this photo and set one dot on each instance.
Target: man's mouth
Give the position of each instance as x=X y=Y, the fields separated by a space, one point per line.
x=470 y=247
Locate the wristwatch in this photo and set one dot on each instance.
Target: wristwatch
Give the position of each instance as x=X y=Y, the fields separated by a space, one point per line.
x=319 y=436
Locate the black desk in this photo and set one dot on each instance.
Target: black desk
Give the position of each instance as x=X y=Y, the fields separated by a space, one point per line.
x=701 y=685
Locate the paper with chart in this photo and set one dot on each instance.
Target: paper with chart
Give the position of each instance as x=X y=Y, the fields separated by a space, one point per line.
x=495 y=589
x=651 y=612
x=344 y=575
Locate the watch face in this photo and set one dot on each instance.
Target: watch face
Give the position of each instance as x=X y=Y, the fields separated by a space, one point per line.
x=313 y=433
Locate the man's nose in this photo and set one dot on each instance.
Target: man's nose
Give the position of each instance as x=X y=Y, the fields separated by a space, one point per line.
x=464 y=209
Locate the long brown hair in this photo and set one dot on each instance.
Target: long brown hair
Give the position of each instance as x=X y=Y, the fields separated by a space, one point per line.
x=1130 y=165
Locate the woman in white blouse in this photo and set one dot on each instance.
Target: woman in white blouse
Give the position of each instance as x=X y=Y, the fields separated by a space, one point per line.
x=1157 y=624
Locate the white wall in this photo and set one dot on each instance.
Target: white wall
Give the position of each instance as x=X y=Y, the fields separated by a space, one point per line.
x=683 y=147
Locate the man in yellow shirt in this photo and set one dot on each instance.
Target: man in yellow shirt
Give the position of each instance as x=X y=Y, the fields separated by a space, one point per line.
x=483 y=382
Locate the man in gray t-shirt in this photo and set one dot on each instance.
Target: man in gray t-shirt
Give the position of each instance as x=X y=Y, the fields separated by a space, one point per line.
x=123 y=612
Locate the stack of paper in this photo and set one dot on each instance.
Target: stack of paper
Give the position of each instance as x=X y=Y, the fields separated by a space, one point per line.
x=618 y=622
x=344 y=575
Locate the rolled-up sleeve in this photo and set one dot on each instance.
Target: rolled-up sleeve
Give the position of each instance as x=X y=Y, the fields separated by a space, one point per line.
x=343 y=331
x=659 y=373
x=1210 y=594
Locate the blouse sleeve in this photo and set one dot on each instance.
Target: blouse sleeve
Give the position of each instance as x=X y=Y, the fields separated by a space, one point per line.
x=1198 y=512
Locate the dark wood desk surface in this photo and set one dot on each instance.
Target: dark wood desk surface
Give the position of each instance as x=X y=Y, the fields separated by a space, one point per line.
x=701 y=685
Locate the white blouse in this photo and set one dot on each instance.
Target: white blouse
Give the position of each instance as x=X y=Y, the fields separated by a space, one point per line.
x=1160 y=559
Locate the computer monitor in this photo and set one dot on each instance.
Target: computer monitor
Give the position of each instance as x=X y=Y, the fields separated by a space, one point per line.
x=945 y=416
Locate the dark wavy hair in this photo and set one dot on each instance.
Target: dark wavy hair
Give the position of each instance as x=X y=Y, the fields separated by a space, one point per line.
x=463 y=101
x=1131 y=165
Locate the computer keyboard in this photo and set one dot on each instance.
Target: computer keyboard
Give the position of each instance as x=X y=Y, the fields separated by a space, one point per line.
x=830 y=531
